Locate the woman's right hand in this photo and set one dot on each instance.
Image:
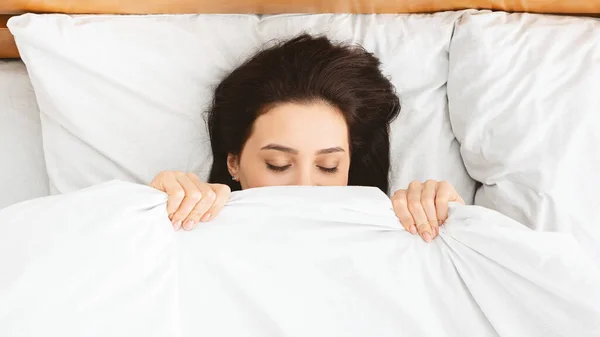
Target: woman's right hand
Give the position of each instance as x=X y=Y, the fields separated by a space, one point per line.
x=190 y=200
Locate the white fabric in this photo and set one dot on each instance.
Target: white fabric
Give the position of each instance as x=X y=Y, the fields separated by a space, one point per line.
x=283 y=261
x=22 y=169
x=525 y=106
x=123 y=96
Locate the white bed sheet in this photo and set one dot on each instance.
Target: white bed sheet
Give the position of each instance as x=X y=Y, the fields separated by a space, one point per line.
x=283 y=261
x=22 y=169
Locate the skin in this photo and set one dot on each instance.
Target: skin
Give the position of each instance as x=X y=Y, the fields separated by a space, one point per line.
x=298 y=144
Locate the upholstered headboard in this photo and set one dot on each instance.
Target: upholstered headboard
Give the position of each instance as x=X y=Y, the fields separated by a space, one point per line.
x=12 y=7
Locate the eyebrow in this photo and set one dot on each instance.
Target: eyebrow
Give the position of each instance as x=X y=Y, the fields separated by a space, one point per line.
x=331 y=150
x=286 y=149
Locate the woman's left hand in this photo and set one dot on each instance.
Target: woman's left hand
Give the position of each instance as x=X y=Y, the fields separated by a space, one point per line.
x=423 y=207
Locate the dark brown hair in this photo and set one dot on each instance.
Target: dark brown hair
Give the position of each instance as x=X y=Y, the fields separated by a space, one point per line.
x=303 y=70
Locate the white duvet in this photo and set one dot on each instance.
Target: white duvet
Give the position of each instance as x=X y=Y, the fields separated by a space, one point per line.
x=283 y=261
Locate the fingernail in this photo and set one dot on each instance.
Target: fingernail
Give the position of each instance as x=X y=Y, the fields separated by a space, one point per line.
x=177 y=225
x=189 y=225
x=413 y=229
x=427 y=237
x=205 y=217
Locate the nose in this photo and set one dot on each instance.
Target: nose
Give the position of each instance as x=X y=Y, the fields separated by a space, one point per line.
x=304 y=177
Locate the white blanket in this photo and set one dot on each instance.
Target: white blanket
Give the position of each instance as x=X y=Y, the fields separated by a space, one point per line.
x=283 y=261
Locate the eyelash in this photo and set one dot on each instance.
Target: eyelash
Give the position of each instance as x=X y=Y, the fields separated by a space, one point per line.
x=277 y=168
x=329 y=169
x=283 y=168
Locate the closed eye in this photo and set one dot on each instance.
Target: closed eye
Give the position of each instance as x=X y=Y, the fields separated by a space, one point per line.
x=277 y=168
x=329 y=169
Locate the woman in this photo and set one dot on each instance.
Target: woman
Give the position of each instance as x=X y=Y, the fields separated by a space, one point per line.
x=304 y=112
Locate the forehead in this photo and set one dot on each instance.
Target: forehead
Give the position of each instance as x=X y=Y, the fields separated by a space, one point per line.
x=311 y=126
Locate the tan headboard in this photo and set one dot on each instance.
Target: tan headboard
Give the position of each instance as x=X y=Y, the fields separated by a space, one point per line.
x=292 y=6
x=8 y=49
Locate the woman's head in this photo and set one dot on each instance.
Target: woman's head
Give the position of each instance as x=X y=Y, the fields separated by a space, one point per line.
x=303 y=112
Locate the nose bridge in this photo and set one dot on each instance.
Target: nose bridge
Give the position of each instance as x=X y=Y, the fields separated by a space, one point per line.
x=304 y=175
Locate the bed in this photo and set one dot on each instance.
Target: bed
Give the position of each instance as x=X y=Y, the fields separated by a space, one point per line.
x=499 y=98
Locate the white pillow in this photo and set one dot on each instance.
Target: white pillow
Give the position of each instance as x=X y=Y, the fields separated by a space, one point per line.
x=22 y=169
x=525 y=105
x=124 y=96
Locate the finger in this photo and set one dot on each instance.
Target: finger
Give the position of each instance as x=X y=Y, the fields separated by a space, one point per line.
x=417 y=212
x=400 y=205
x=191 y=198
x=207 y=198
x=167 y=183
x=223 y=192
x=428 y=203
x=217 y=192
x=445 y=194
